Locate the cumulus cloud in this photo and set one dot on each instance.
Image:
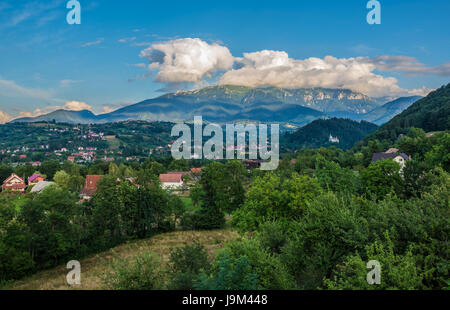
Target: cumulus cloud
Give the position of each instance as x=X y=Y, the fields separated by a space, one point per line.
x=76 y=106
x=4 y=117
x=276 y=68
x=187 y=60
x=179 y=62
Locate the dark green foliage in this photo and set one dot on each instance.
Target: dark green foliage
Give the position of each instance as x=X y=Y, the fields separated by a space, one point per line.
x=185 y=265
x=397 y=271
x=230 y=274
x=332 y=177
x=272 y=236
x=142 y=273
x=221 y=191
x=381 y=178
x=272 y=198
x=316 y=134
x=329 y=230
x=272 y=273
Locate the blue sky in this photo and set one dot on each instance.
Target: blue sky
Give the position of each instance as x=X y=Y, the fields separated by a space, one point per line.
x=103 y=63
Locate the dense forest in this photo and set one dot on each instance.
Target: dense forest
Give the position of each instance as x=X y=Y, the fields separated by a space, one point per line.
x=317 y=134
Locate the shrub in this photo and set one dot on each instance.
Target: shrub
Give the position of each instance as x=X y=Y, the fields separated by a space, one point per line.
x=185 y=264
x=141 y=273
x=230 y=273
x=272 y=236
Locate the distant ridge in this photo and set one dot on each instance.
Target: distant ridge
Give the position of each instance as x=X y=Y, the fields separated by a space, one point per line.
x=386 y=112
x=63 y=116
x=227 y=103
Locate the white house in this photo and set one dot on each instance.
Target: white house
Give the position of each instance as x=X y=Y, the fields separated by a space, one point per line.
x=171 y=180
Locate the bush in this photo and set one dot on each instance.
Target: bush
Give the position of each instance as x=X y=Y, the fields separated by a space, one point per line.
x=397 y=271
x=272 y=236
x=185 y=264
x=272 y=274
x=230 y=273
x=206 y=218
x=142 y=273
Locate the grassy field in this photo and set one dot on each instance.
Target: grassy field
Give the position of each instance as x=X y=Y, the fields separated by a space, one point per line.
x=94 y=266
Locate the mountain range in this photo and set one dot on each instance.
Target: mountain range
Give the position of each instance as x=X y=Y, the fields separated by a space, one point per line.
x=226 y=103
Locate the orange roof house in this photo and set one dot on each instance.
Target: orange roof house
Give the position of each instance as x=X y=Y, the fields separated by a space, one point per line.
x=14 y=183
x=90 y=186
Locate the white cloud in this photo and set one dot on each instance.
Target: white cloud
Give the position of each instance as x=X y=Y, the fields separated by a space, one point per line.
x=275 y=68
x=4 y=117
x=76 y=106
x=107 y=109
x=187 y=60
x=96 y=42
x=125 y=40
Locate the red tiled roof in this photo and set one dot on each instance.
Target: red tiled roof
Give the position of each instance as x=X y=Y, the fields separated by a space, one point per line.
x=179 y=172
x=90 y=186
x=171 y=177
x=196 y=170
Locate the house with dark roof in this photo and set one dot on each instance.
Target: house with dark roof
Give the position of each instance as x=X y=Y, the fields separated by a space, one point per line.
x=14 y=183
x=400 y=158
x=90 y=186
